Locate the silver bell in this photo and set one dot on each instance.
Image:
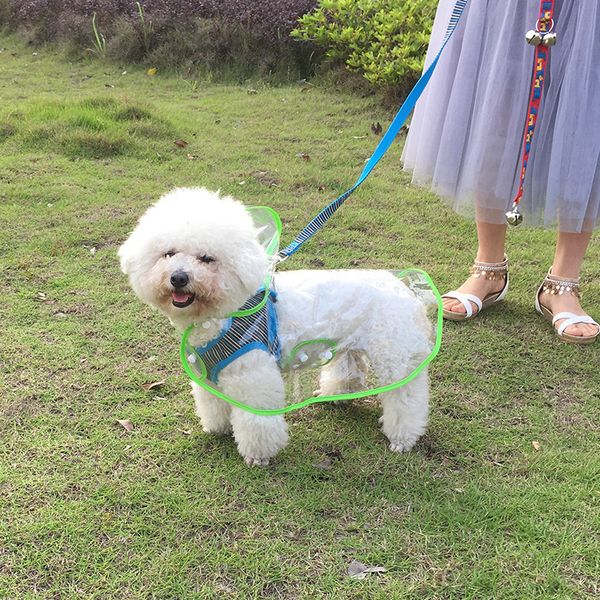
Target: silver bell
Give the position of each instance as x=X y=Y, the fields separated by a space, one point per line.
x=514 y=217
x=549 y=39
x=533 y=37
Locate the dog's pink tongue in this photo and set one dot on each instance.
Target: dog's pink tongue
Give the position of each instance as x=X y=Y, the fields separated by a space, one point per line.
x=181 y=296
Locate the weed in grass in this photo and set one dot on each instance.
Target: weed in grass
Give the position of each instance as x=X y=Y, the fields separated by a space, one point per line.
x=6 y=130
x=93 y=145
x=88 y=122
x=99 y=40
x=146 y=26
x=92 y=128
x=102 y=103
x=133 y=113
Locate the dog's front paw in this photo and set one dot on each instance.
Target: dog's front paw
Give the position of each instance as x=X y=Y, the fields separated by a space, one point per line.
x=216 y=428
x=258 y=438
x=256 y=462
x=402 y=444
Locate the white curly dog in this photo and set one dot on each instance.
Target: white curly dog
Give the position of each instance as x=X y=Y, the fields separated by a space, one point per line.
x=196 y=257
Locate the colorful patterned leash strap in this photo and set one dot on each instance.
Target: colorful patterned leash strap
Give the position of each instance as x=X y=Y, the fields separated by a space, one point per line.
x=543 y=38
x=319 y=221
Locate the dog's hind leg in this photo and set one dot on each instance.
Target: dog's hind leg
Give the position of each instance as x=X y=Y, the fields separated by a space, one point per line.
x=254 y=379
x=215 y=414
x=398 y=341
x=405 y=412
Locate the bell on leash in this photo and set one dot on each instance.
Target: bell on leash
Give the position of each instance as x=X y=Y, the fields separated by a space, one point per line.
x=533 y=37
x=549 y=39
x=513 y=216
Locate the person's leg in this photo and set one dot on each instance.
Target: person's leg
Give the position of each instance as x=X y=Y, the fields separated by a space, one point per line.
x=491 y=239
x=570 y=250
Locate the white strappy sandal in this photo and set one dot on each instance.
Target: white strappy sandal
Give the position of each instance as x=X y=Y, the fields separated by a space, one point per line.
x=561 y=285
x=490 y=271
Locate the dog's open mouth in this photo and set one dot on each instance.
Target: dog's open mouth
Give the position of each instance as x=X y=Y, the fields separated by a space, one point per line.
x=182 y=299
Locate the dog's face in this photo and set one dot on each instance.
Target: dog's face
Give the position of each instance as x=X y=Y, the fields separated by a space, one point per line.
x=194 y=255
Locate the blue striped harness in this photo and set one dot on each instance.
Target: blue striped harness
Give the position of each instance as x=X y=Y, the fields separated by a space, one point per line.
x=256 y=331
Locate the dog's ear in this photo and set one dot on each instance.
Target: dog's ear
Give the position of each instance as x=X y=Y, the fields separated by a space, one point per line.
x=126 y=255
x=252 y=267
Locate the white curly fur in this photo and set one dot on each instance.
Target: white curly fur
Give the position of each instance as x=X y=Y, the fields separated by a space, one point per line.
x=374 y=319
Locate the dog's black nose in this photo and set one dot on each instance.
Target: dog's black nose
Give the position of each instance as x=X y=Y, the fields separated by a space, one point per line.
x=179 y=279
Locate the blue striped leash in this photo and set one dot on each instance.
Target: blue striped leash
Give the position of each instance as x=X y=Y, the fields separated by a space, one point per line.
x=319 y=221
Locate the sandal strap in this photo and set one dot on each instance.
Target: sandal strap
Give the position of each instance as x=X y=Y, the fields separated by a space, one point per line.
x=499 y=266
x=567 y=280
x=553 y=284
x=465 y=300
x=572 y=319
x=490 y=271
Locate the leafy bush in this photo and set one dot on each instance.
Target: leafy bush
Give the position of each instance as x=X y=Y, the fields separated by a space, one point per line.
x=218 y=35
x=384 y=40
x=271 y=20
x=222 y=48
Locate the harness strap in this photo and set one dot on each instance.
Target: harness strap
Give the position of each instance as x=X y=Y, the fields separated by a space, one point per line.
x=241 y=334
x=319 y=221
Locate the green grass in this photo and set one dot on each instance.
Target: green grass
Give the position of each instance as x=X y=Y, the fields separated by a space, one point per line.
x=90 y=511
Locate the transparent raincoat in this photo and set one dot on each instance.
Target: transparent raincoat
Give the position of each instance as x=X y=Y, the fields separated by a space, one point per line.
x=322 y=301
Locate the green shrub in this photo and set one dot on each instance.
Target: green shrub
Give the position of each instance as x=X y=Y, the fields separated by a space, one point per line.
x=384 y=40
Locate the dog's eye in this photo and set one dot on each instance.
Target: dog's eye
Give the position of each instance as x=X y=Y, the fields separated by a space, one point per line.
x=169 y=253
x=206 y=259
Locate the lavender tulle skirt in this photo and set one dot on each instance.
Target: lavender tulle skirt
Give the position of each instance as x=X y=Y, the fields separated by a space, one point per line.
x=466 y=134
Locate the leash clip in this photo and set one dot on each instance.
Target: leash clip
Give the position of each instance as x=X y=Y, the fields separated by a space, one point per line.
x=279 y=258
x=543 y=34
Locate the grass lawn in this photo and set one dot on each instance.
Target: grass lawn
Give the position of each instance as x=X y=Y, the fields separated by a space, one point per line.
x=88 y=510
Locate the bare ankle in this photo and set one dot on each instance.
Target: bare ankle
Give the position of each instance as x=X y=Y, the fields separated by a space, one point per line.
x=567 y=272
x=490 y=256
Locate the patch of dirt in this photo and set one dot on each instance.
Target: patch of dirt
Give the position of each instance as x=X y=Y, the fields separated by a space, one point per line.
x=266 y=178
